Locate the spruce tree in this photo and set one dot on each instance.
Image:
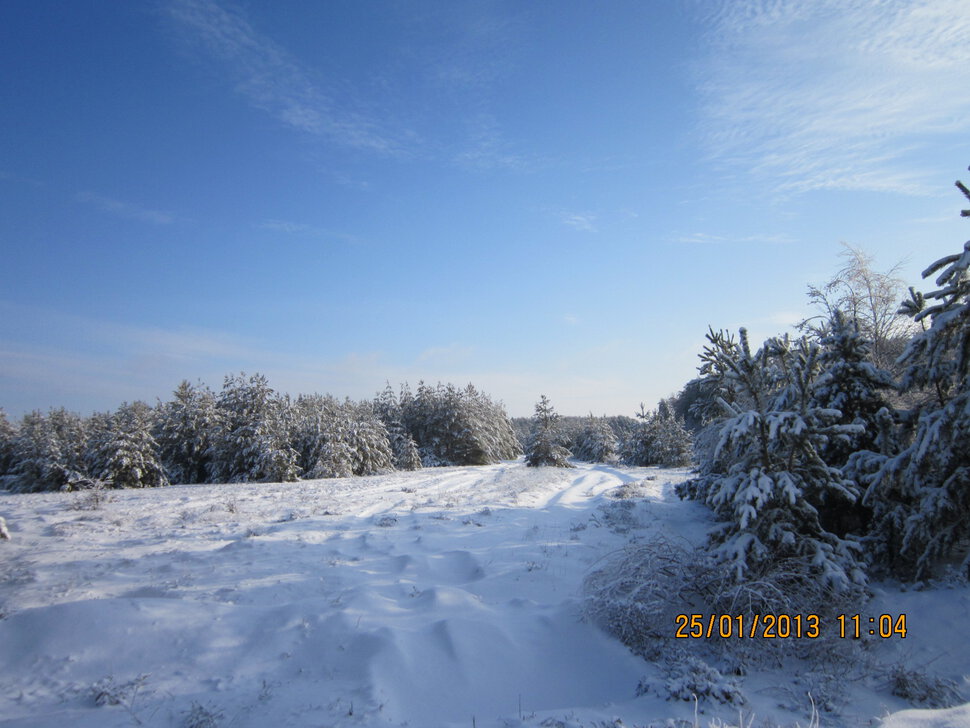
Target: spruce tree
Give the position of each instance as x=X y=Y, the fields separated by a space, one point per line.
x=850 y=383
x=767 y=479
x=638 y=446
x=672 y=443
x=921 y=495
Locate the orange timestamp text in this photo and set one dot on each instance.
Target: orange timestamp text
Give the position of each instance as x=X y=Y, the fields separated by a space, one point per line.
x=784 y=626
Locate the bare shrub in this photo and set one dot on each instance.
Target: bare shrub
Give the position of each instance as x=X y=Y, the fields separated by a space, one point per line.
x=919 y=688
x=637 y=594
x=202 y=716
x=92 y=494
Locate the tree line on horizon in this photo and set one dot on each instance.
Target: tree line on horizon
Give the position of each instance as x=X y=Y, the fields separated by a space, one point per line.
x=248 y=432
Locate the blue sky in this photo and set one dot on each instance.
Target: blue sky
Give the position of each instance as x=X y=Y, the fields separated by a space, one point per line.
x=542 y=197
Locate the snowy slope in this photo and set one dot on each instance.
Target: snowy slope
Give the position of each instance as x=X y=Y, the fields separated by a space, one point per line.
x=445 y=597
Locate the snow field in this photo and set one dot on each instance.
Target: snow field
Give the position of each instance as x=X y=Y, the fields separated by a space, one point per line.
x=424 y=599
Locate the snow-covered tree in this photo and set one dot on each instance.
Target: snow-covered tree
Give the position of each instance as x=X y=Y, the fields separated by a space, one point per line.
x=672 y=443
x=659 y=438
x=921 y=496
x=404 y=449
x=48 y=451
x=637 y=446
x=596 y=442
x=870 y=299
x=334 y=457
x=311 y=416
x=852 y=384
x=8 y=436
x=252 y=442
x=367 y=439
x=459 y=427
x=184 y=429
x=129 y=453
x=98 y=433
x=545 y=441
x=767 y=479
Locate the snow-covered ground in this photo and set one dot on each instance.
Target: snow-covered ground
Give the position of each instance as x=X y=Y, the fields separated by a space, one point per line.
x=444 y=597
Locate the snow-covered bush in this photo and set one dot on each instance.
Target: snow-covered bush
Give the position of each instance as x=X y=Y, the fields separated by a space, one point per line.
x=203 y=716
x=693 y=679
x=636 y=595
x=545 y=441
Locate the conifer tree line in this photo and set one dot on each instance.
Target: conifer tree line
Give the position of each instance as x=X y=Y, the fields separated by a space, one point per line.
x=652 y=437
x=826 y=462
x=248 y=432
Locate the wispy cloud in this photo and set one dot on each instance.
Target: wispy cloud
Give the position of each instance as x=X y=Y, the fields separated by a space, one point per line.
x=446 y=355
x=582 y=222
x=709 y=239
x=131 y=210
x=486 y=148
x=271 y=79
x=51 y=358
x=289 y=227
x=835 y=95
x=700 y=239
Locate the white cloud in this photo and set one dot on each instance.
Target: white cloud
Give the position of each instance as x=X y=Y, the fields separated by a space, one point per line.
x=446 y=355
x=487 y=149
x=271 y=79
x=700 y=239
x=835 y=95
x=582 y=222
x=710 y=239
x=131 y=210
x=289 y=227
